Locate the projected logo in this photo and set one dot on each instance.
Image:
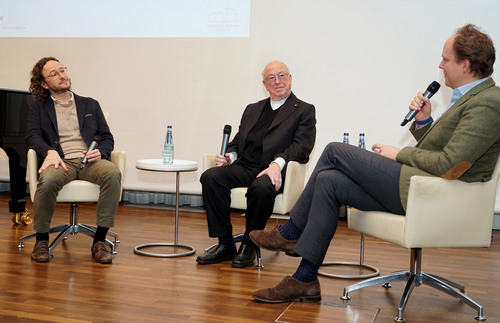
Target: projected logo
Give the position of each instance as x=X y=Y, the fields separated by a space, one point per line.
x=224 y=20
x=5 y=26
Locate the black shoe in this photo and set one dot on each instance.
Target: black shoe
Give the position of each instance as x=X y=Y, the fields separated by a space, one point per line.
x=218 y=254
x=245 y=256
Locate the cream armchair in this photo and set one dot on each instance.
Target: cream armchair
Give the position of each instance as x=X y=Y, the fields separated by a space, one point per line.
x=294 y=184
x=73 y=192
x=440 y=214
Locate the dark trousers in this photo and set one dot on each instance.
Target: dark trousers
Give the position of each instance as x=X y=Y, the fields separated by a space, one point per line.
x=217 y=183
x=344 y=175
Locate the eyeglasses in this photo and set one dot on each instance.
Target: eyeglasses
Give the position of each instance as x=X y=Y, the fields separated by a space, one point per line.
x=272 y=78
x=62 y=71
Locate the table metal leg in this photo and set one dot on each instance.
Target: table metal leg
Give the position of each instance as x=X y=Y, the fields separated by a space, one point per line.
x=190 y=250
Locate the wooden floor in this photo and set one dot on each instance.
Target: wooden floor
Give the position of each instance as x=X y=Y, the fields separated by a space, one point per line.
x=73 y=288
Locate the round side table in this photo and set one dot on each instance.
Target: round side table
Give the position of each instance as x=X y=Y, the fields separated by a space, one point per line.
x=177 y=166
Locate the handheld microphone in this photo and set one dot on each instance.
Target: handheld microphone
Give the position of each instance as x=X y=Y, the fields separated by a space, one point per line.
x=93 y=145
x=225 y=139
x=431 y=90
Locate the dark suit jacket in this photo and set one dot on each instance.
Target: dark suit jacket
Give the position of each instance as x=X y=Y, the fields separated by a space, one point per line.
x=291 y=135
x=42 y=134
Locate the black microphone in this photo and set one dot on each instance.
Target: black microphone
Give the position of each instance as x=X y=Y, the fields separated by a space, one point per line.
x=93 y=145
x=225 y=139
x=431 y=90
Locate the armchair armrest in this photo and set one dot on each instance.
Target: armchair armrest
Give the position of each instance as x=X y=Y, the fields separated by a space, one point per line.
x=436 y=204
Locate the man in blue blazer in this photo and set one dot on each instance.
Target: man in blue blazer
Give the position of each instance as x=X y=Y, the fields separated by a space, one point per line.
x=61 y=125
x=272 y=132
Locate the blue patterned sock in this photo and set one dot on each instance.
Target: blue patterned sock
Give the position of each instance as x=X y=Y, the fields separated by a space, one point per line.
x=289 y=231
x=307 y=271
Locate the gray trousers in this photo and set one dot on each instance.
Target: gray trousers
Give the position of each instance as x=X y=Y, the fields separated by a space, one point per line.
x=103 y=173
x=344 y=175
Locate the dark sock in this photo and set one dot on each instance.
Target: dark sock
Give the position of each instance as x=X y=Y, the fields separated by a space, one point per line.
x=307 y=271
x=289 y=231
x=100 y=234
x=226 y=241
x=246 y=240
x=42 y=236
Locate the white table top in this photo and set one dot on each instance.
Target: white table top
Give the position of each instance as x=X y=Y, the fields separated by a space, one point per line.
x=158 y=165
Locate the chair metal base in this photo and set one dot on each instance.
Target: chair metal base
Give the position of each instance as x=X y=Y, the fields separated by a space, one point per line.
x=375 y=271
x=415 y=277
x=238 y=238
x=72 y=228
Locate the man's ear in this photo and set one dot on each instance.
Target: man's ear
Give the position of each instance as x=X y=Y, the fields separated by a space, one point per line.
x=44 y=85
x=466 y=66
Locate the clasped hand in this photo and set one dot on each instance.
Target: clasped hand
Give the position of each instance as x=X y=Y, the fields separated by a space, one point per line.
x=93 y=155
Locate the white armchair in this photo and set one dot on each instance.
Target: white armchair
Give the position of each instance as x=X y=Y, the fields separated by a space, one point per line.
x=294 y=184
x=73 y=192
x=440 y=214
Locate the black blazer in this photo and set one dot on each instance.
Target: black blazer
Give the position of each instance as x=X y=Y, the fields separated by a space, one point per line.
x=42 y=134
x=291 y=136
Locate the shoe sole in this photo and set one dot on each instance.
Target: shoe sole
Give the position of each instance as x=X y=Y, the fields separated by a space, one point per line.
x=288 y=252
x=102 y=261
x=41 y=259
x=243 y=265
x=305 y=299
x=210 y=262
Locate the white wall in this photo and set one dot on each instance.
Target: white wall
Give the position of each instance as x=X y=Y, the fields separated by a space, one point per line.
x=359 y=62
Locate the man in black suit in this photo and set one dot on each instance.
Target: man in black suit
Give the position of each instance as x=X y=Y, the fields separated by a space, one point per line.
x=272 y=132
x=61 y=125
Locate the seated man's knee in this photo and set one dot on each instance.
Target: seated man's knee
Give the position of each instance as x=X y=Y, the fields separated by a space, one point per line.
x=263 y=187
x=332 y=146
x=50 y=180
x=208 y=176
x=110 y=174
x=115 y=175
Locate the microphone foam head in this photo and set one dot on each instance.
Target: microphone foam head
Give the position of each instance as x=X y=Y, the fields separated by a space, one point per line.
x=433 y=87
x=227 y=129
x=97 y=138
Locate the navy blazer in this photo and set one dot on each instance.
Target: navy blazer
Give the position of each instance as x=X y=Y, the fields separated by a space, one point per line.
x=42 y=134
x=291 y=135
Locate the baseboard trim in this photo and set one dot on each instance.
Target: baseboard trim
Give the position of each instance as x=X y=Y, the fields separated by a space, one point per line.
x=496 y=222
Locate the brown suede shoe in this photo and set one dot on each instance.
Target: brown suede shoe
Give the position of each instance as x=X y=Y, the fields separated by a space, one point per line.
x=40 y=251
x=290 y=289
x=273 y=240
x=101 y=254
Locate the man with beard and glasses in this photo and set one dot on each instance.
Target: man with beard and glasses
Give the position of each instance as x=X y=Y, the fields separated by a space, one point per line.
x=61 y=125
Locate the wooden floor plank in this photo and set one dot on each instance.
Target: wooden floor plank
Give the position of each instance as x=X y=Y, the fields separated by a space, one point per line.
x=135 y=288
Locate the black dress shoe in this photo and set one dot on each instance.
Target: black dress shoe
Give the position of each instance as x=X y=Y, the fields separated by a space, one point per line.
x=218 y=254
x=245 y=256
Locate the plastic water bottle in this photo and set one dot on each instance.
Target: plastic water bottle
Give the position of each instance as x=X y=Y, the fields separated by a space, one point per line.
x=168 y=148
x=346 y=138
x=361 y=143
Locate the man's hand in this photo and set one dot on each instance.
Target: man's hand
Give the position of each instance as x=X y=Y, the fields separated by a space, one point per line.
x=274 y=173
x=386 y=150
x=424 y=111
x=52 y=158
x=222 y=160
x=93 y=155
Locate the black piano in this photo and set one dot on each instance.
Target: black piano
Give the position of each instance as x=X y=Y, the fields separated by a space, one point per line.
x=14 y=106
